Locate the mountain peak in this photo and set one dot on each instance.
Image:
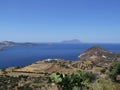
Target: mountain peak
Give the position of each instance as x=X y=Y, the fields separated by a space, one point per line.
x=95 y=48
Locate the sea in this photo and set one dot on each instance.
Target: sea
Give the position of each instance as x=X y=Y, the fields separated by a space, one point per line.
x=26 y=55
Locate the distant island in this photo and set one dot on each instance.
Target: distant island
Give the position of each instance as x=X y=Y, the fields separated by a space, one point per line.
x=5 y=44
x=72 y=41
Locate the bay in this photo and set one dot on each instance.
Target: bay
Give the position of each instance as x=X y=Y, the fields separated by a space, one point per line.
x=25 y=55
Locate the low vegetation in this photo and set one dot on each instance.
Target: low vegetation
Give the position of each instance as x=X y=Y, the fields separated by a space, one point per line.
x=115 y=71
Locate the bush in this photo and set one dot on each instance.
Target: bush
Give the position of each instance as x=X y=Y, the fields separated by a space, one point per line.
x=103 y=71
x=90 y=76
x=115 y=71
x=78 y=80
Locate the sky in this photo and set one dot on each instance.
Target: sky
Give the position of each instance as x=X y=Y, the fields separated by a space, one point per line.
x=96 y=21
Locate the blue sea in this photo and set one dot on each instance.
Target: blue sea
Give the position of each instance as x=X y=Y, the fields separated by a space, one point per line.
x=25 y=55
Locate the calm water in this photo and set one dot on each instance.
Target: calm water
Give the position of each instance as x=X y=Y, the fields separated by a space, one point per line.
x=24 y=55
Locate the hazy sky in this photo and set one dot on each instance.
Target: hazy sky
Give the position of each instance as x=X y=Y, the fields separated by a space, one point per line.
x=56 y=20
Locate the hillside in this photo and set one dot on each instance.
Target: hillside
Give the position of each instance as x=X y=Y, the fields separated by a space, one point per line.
x=98 y=56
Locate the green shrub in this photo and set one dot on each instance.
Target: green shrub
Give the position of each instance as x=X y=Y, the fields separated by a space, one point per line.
x=115 y=71
x=103 y=71
x=90 y=76
x=78 y=80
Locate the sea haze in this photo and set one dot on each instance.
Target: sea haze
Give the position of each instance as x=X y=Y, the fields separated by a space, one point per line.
x=25 y=55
